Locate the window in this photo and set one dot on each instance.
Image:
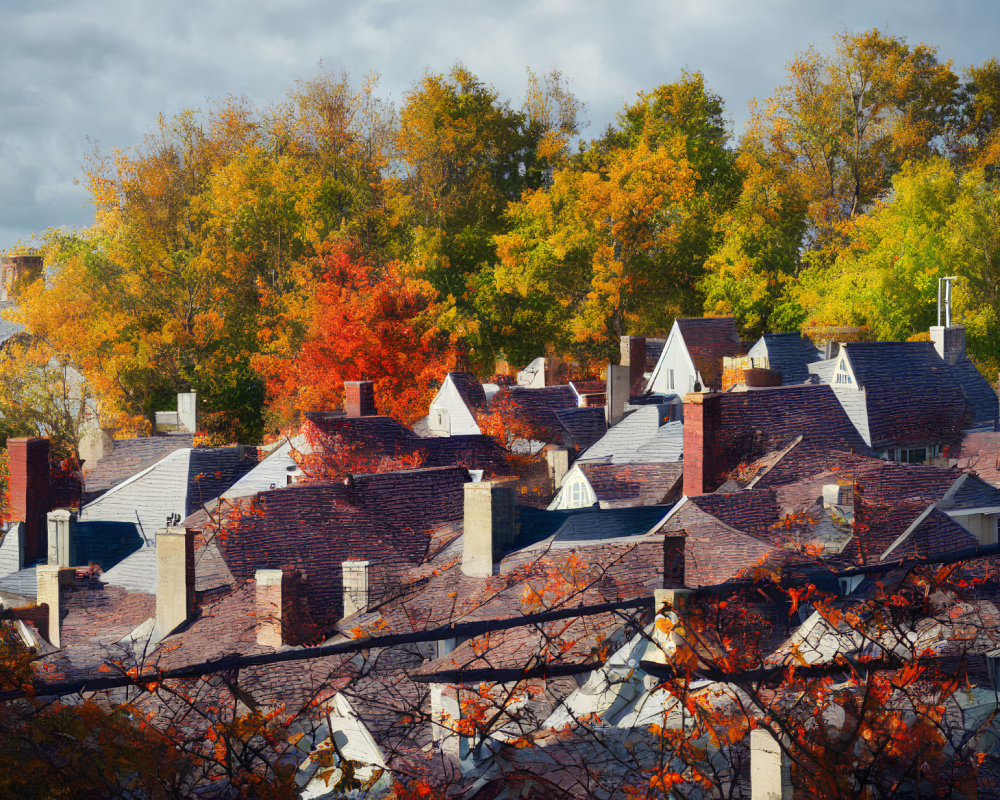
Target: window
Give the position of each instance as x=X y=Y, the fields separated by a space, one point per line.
x=670 y=380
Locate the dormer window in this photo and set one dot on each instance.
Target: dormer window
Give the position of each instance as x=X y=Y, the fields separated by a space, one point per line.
x=843 y=376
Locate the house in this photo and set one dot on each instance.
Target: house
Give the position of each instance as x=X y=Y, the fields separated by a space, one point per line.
x=691 y=359
x=618 y=485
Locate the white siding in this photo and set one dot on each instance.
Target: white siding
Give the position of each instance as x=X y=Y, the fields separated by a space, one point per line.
x=449 y=414
x=575 y=492
x=675 y=364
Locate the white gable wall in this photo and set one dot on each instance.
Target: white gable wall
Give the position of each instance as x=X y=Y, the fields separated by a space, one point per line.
x=575 y=492
x=674 y=372
x=449 y=414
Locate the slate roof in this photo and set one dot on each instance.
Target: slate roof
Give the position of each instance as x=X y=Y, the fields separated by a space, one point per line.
x=472 y=451
x=936 y=534
x=632 y=484
x=822 y=371
x=536 y=407
x=469 y=389
x=708 y=340
x=752 y=511
x=911 y=394
x=270 y=472
x=978 y=393
x=787 y=353
x=654 y=347
x=384 y=518
x=639 y=427
x=381 y=435
x=129 y=457
x=979 y=452
x=582 y=426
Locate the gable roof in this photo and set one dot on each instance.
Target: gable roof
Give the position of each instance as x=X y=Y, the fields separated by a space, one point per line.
x=469 y=389
x=978 y=393
x=536 y=407
x=708 y=340
x=787 y=353
x=632 y=484
x=751 y=511
x=910 y=393
x=129 y=457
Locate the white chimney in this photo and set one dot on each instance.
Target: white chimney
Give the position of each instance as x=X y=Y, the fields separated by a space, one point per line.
x=558 y=462
x=61 y=550
x=770 y=768
x=446 y=713
x=269 y=607
x=490 y=525
x=355 y=586
x=52 y=579
x=174 y=578
x=187 y=411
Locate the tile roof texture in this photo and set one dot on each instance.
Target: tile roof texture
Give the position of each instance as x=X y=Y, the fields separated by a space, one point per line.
x=643 y=428
x=751 y=511
x=787 y=353
x=978 y=392
x=581 y=427
x=385 y=518
x=469 y=389
x=536 y=407
x=708 y=341
x=911 y=394
x=979 y=452
x=633 y=484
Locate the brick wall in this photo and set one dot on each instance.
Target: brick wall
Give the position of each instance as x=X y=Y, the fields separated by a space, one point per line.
x=29 y=492
x=359 y=398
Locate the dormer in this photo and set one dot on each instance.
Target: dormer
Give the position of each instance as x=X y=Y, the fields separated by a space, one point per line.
x=843 y=375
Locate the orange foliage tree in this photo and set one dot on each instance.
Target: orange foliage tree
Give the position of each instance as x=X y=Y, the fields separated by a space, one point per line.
x=367 y=322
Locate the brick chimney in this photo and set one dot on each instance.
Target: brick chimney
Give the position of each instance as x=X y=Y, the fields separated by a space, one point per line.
x=355 y=576
x=62 y=551
x=702 y=420
x=174 y=578
x=279 y=617
x=673 y=561
x=52 y=581
x=770 y=768
x=490 y=525
x=633 y=356
x=359 y=398
x=29 y=491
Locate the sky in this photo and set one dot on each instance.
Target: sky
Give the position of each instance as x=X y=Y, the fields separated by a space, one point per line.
x=76 y=75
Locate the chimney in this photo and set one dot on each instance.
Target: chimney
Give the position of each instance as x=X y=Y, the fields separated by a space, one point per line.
x=490 y=525
x=174 y=578
x=62 y=551
x=29 y=491
x=617 y=384
x=702 y=420
x=446 y=713
x=359 y=398
x=187 y=411
x=269 y=609
x=673 y=560
x=668 y=634
x=770 y=768
x=633 y=356
x=52 y=580
x=355 y=574
x=949 y=342
x=557 y=459
x=836 y=494
x=94 y=445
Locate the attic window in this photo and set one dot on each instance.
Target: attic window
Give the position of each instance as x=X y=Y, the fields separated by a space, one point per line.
x=670 y=380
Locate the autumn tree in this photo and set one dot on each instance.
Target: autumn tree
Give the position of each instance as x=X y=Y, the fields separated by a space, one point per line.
x=368 y=321
x=617 y=243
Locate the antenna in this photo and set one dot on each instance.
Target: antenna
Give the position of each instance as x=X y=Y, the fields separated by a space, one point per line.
x=944 y=288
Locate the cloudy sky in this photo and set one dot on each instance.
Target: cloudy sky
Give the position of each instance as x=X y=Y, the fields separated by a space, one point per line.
x=78 y=72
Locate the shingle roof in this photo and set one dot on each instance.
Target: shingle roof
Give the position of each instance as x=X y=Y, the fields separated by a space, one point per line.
x=637 y=429
x=469 y=389
x=382 y=435
x=911 y=394
x=536 y=407
x=979 y=452
x=787 y=353
x=978 y=393
x=708 y=340
x=751 y=511
x=129 y=457
x=936 y=534
x=632 y=484
x=582 y=426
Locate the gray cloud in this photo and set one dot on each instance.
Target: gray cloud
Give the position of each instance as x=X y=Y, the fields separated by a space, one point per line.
x=74 y=72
